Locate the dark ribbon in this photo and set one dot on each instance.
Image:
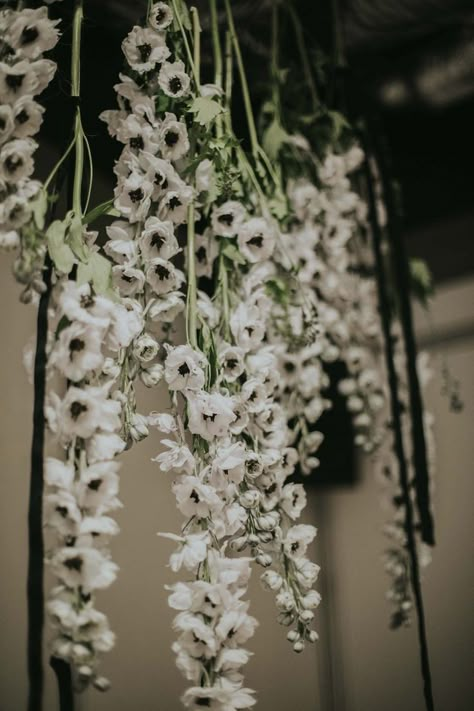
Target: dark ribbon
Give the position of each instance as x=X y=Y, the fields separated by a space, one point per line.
x=64 y=681
x=385 y=313
x=35 y=593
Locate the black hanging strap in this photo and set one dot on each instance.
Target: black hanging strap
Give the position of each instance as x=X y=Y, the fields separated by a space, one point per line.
x=384 y=304
x=64 y=681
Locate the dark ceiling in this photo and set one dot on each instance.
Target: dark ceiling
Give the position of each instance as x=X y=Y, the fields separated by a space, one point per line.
x=412 y=59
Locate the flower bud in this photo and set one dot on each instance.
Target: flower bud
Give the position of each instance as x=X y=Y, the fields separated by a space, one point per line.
x=307 y=616
x=271 y=580
x=285 y=601
x=311 y=600
x=312 y=636
x=292 y=636
x=253 y=539
x=268 y=521
x=298 y=647
x=264 y=559
x=101 y=683
x=111 y=368
x=265 y=536
x=138 y=427
x=238 y=544
x=152 y=375
x=145 y=348
x=250 y=499
x=285 y=618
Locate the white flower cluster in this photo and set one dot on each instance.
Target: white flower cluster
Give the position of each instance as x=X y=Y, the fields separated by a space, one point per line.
x=24 y=74
x=325 y=246
x=90 y=334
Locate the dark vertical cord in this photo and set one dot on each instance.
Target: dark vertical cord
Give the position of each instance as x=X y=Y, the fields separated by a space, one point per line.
x=402 y=276
x=35 y=592
x=64 y=681
x=384 y=304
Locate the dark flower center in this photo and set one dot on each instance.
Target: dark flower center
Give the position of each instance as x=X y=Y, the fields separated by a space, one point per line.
x=3 y=123
x=171 y=138
x=203 y=702
x=87 y=301
x=95 y=484
x=136 y=195
x=175 y=85
x=294 y=547
x=289 y=367
x=136 y=142
x=76 y=409
x=76 y=345
x=22 y=117
x=29 y=35
x=226 y=219
x=145 y=51
x=62 y=511
x=127 y=278
x=157 y=240
x=210 y=417
x=74 y=563
x=256 y=241
x=232 y=363
x=160 y=16
x=160 y=180
x=162 y=272
x=201 y=254
x=174 y=202
x=194 y=496
x=12 y=163
x=14 y=81
x=183 y=369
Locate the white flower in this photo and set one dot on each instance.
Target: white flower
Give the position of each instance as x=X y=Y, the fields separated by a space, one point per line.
x=163 y=422
x=306 y=572
x=83 y=411
x=16 y=159
x=271 y=580
x=78 y=303
x=166 y=308
x=126 y=323
x=27 y=117
x=219 y=698
x=230 y=461
x=297 y=540
x=205 y=175
x=184 y=369
x=160 y=16
x=293 y=500
x=173 y=79
x=158 y=240
x=84 y=567
x=133 y=197
x=59 y=474
x=103 y=446
x=174 y=204
x=227 y=218
x=174 y=142
x=99 y=485
x=210 y=414
x=235 y=626
x=194 y=498
x=122 y=251
x=247 y=326
x=231 y=361
x=151 y=375
x=32 y=33
x=145 y=348
x=144 y=48
x=78 y=351
x=129 y=281
x=205 y=253
x=256 y=239
x=177 y=458
x=7 y=123
x=163 y=276
x=192 y=551
x=17 y=80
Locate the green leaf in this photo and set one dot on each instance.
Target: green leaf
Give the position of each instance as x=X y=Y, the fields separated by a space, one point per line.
x=273 y=139
x=231 y=252
x=75 y=239
x=98 y=270
x=278 y=290
x=105 y=208
x=206 y=109
x=421 y=280
x=61 y=254
x=39 y=206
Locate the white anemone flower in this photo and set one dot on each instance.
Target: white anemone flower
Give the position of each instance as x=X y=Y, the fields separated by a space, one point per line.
x=163 y=276
x=84 y=567
x=27 y=116
x=174 y=141
x=247 y=326
x=191 y=552
x=256 y=239
x=194 y=498
x=144 y=49
x=184 y=368
x=133 y=197
x=173 y=79
x=206 y=250
x=129 y=281
x=297 y=540
x=16 y=159
x=219 y=698
x=160 y=16
x=167 y=308
x=17 y=80
x=158 y=240
x=293 y=500
x=227 y=218
x=32 y=33
x=177 y=457
x=7 y=123
x=78 y=351
x=210 y=414
x=84 y=411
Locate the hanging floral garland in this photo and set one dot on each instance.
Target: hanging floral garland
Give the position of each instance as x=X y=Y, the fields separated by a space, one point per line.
x=266 y=253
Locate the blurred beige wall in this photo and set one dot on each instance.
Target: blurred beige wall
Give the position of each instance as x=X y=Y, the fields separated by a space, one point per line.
x=358 y=665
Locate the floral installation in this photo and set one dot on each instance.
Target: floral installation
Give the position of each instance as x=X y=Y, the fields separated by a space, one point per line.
x=263 y=248
x=24 y=74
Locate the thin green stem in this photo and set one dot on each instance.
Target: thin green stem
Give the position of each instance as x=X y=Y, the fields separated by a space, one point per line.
x=187 y=46
x=243 y=81
x=303 y=51
x=217 y=53
x=229 y=66
x=275 y=61
x=191 y=308
x=59 y=163
x=224 y=287
x=76 y=92
x=197 y=43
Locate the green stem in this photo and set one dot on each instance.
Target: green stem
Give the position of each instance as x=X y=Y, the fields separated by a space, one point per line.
x=191 y=308
x=197 y=43
x=59 y=163
x=304 y=56
x=217 y=53
x=76 y=92
x=229 y=65
x=224 y=285
x=275 y=61
x=243 y=81
x=186 y=45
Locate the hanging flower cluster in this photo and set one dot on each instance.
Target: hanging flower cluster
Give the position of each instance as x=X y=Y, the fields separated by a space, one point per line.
x=26 y=35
